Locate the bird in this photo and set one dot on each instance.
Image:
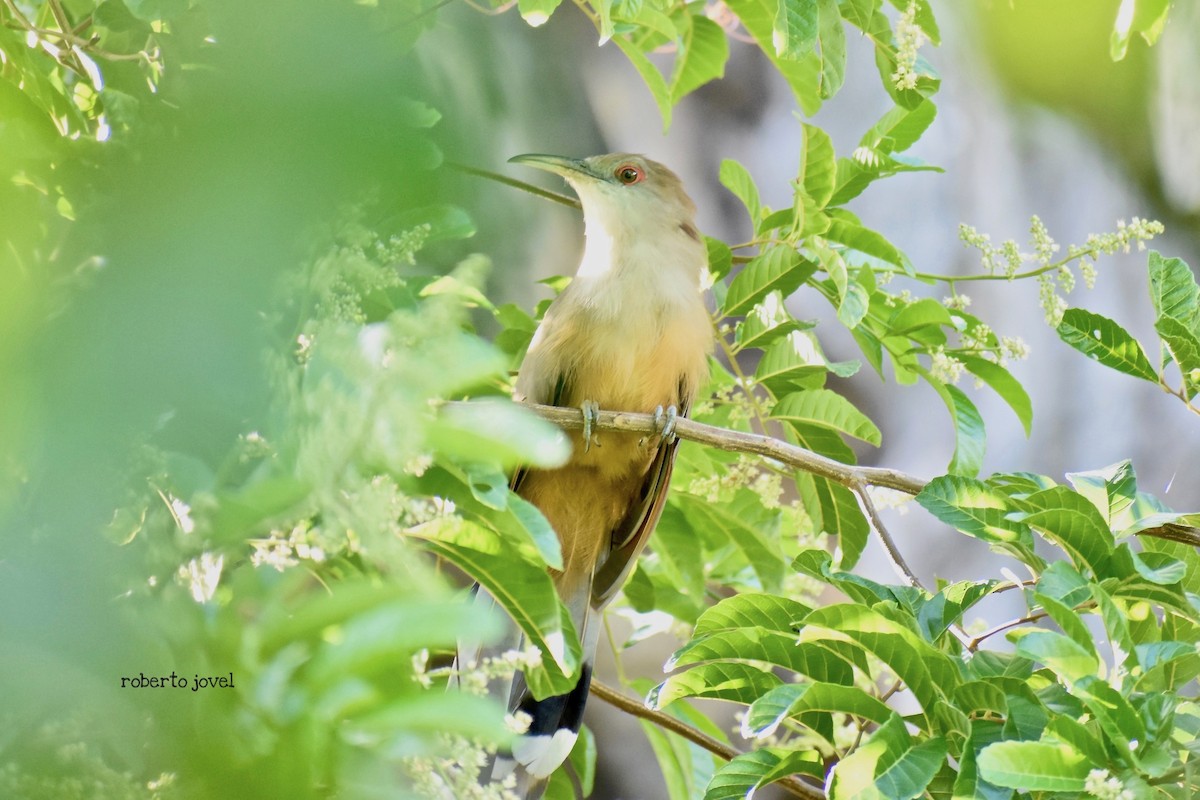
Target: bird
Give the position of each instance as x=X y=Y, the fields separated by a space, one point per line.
x=631 y=332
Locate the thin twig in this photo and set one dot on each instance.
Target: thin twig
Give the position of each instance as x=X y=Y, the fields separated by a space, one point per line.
x=619 y=700
x=898 y=563
x=1002 y=627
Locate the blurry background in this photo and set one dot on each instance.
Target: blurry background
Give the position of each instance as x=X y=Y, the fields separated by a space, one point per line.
x=198 y=205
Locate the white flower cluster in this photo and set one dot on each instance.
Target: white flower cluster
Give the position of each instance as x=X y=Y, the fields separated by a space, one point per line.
x=1103 y=787
x=1056 y=278
x=909 y=38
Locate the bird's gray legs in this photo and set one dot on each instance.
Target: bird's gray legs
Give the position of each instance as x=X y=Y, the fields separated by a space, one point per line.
x=591 y=415
x=666 y=422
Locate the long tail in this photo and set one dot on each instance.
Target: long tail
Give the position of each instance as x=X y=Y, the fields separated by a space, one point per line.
x=554 y=721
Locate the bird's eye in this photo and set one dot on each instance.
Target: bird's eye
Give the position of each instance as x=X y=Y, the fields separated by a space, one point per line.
x=628 y=174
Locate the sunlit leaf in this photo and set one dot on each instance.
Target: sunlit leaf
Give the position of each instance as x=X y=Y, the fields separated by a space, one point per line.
x=795 y=29
x=1034 y=766
x=827 y=409
x=522 y=588
x=779 y=269
x=1105 y=341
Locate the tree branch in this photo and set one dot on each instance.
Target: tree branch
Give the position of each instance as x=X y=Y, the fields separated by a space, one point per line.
x=850 y=476
x=739 y=442
x=793 y=785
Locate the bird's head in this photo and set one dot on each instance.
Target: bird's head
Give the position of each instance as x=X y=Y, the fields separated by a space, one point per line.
x=627 y=195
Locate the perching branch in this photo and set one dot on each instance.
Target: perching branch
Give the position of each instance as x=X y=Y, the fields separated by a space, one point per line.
x=793 y=785
x=850 y=476
x=739 y=442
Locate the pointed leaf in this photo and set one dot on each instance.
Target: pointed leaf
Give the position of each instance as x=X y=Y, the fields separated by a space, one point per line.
x=1067 y=518
x=1105 y=341
x=737 y=179
x=764 y=716
x=747 y=772
x=827 y=409
x=650 y=76
x=1034 y=766
x=701 y=57
x=795 y=29
x=925 y=670
x=717 y=680
x=779 y=269
x=819 y=166
x=1004 y=384
x=831 y=34
x=1174 y=291
x=522 y=588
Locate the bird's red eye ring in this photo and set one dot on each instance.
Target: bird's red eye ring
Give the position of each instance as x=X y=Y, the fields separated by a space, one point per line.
x=629 y=174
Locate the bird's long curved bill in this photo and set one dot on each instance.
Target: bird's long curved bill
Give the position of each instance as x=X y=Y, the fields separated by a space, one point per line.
x=559 y=165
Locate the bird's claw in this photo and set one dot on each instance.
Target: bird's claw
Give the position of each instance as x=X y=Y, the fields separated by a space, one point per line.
x=591 y=416
x=665 y=421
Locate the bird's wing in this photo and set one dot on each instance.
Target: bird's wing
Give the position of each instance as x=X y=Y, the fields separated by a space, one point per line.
x=631 y=535
x=554 y=398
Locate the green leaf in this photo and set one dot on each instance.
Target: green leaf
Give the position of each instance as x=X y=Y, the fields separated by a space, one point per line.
x=1174 y=291
x=1184 y=347
x=803 y=74
x=1065 y=657
x=1117 y=718
x=1158 y=568
x=541 y=534
x=768 y=322
x=795 y=29
x=1112 y=489
x=1146 y=17
x=926 y=671
x=748 y=772
x=766 y=714
x=814 y=660
x=900 y=128
x=1004 y=384
x=831 y=34
x=1105 y=341
x=1067 y=518
x=1034 y=766
x=867 y=241
x=750 y=610
x=737 y=179
x=650 y=76
x=841 y=516
x=677 y=761
x=521 y=587
x=701 y=58
x=970 y=439
x=827 y=409
x=888 y=766
x=818 y=167
x=499 y=432
x=796 y=362
x=718 y=680
x=744 y=523
x=779 y=269
x=1067 y=618
x=537 y=12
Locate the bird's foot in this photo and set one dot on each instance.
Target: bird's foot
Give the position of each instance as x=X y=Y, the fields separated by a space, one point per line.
x=665 y=421
x=591 y=416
